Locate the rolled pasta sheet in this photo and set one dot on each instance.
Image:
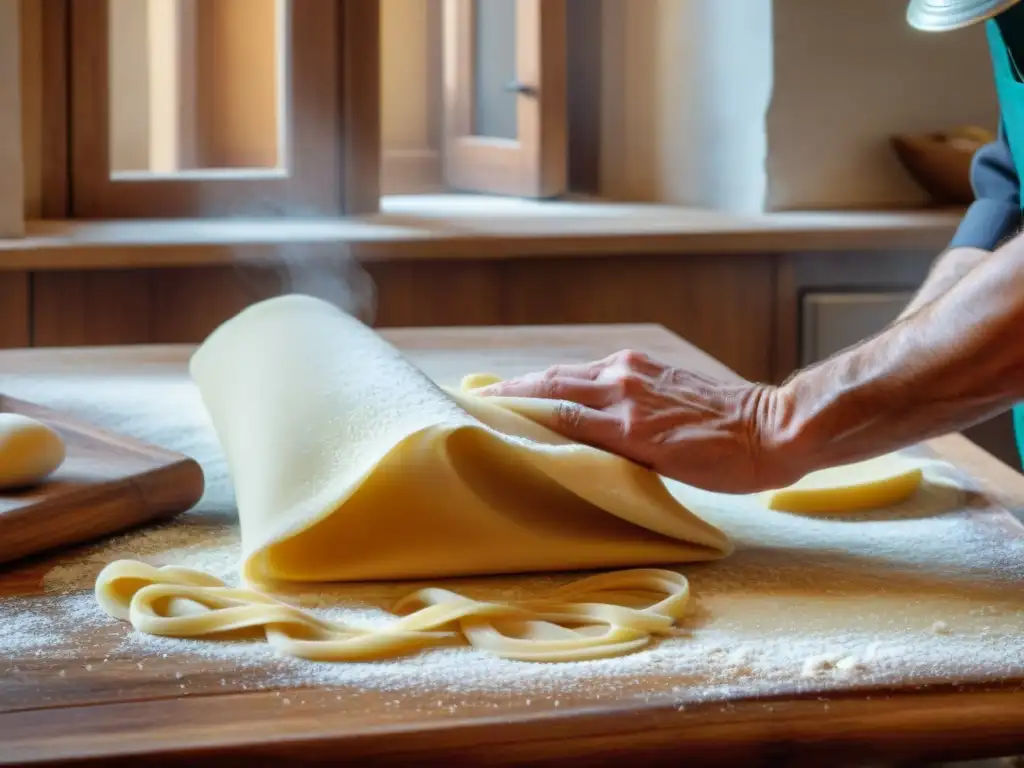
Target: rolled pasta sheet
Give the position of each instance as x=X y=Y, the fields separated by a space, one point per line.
x=350 y=464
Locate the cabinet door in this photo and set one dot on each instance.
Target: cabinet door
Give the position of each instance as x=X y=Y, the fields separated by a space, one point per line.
x=833 y=321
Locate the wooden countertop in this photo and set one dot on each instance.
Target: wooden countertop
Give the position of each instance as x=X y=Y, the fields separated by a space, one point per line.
x=93 y=695
x=474 y=227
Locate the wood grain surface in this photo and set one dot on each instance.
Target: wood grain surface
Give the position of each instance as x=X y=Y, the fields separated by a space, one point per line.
x=108 y=483
x=44 y=84
x=90 y=703
x=15 y=320
x=724 y=304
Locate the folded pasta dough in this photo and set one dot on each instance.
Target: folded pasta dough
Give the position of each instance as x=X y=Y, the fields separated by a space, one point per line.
x=350 y=464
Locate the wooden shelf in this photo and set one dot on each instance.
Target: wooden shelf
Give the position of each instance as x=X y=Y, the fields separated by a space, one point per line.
x=472 y=227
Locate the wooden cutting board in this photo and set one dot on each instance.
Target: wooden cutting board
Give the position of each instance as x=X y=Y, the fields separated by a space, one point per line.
x=107 y=484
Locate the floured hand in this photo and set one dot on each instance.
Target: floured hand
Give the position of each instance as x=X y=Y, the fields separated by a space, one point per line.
x=703 y=432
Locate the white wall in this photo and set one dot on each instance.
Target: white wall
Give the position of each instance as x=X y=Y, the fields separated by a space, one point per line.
x=847 y=76
x=684 y=93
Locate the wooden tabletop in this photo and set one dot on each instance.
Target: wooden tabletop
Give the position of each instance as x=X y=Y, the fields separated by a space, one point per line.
x=94 y=692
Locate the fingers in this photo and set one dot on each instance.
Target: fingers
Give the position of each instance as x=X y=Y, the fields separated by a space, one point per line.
x=587 y=371
x=547 y=384
x=584 y=425
x=581 y=391
x=543 y=383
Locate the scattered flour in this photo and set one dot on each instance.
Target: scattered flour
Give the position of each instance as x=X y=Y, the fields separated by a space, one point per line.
x=816 y=665
x=803 y=604
x=849 y=664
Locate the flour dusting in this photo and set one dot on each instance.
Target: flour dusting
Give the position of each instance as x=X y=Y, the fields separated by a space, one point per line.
x=926 y=591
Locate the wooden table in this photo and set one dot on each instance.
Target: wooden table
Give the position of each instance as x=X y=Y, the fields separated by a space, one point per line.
x=131 y=709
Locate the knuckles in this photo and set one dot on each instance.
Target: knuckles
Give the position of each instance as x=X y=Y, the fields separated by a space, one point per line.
x=548 y=384
x=630 y=358
x=631 y=384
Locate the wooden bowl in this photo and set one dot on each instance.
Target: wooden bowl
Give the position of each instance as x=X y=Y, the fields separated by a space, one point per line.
x=940 y=164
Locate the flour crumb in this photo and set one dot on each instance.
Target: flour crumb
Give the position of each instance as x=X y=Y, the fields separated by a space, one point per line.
x=849 y=664
x=741 y=657
x=941 y=628
x=817 y=665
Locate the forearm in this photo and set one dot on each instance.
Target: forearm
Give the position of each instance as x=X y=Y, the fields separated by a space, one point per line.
x=948 y=269
x=956 y=361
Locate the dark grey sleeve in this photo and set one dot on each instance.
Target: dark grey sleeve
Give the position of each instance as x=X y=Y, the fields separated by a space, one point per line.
x=995 y=213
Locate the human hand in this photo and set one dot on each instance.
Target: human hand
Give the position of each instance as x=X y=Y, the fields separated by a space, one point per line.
x=721 y=436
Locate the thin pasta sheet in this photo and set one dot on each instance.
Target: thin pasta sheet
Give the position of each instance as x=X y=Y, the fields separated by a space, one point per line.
x=350 y=464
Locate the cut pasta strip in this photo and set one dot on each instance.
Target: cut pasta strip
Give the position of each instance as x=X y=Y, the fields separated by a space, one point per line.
x=577 y=622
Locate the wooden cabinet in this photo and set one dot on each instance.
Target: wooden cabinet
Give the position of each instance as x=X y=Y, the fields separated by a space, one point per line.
x=724 y=305
x=15 y=330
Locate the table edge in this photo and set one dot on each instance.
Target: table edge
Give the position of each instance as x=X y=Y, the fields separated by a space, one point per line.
x=994 y=714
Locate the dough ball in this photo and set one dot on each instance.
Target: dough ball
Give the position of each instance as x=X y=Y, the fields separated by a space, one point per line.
x=867 y=485
x=478 y=380
x=29 y=451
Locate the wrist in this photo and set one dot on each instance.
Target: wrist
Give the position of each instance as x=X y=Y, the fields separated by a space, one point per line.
x=845 y=410
x=815 y=421
x=783 y=442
